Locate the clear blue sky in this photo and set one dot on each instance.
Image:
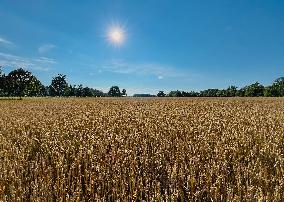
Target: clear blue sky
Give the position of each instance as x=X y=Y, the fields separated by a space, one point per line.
x=169 y=45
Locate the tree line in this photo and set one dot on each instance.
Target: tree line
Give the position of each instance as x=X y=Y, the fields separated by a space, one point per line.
x=276 y=89
x=22 y=83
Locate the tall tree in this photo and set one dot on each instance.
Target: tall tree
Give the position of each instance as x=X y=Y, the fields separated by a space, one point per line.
x=79 y=91
x=114 y=91
x=278 y=85
x=59 y=86
x=124 y=92
x=34 y=88
x=17 y=81
x=2 y=82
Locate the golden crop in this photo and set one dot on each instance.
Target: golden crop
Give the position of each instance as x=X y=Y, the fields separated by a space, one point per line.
x=219 y=149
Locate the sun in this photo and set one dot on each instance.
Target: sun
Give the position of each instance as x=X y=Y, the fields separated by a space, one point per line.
x=116 y=35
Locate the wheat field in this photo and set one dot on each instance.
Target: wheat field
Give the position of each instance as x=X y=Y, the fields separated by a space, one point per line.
x=126 y=149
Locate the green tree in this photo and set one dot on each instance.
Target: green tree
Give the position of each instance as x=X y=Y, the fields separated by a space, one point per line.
x=98 y=93
x=79 y=91
x=176 y=93
x=190 y=94
x=231 y=91
x=254 y=90
x=161 y=94
x=72 y=90
x=270 y=91
x=278 y=85
x=209 y=93
x=2 y=82
x=241 y=92
x=124 y=92
x=34 y=88
x=17 y=81
x=59 y=86
x=114 y=91
x=87 y=92
x=222 y=93
x=172 y=94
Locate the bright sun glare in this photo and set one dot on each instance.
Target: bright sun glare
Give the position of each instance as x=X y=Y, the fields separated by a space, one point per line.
x=116 y=35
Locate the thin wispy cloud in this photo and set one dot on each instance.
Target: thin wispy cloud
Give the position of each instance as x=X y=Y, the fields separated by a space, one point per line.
x=159 y=70
x=45 y=60
x=5 y=41
x=41 y=63
x=45 y=48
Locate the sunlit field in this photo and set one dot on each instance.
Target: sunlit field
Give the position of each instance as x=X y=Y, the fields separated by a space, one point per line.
x=107 y=149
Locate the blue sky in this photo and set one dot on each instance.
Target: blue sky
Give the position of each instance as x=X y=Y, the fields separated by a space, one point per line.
x=169 y=45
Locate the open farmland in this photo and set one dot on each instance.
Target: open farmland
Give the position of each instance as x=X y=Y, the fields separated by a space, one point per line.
x=150 y=149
